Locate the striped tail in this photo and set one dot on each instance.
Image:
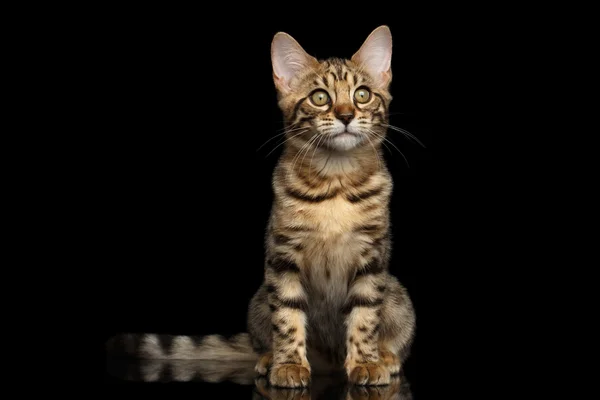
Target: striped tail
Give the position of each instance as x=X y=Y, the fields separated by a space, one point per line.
x=170 y=347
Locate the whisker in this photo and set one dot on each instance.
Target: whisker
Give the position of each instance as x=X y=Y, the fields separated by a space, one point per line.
x=387 y=147
x=313 y=155
x=376 y=152
x=296 y=129
x=384 y=139
x=326 y=162
x=404 y=132
x=307 y=147
x=395 y=113
x=276 y=136
x=288 y=139
x=299 y=153
x=318 y=137
x=288 y=127
x=286 y=130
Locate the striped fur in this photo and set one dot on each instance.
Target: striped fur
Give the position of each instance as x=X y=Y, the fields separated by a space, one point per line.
x=327 y=302
x=176 y=347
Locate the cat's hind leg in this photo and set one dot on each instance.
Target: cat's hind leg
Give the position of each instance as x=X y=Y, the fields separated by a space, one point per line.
x=264 y=363
x=380 y=327
x=391 y=360
x=259 y=327
x=397 y=329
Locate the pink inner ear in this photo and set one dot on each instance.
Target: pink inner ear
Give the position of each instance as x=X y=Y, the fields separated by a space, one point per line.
x=280 y=83
x=375 y=55
x=288 y=59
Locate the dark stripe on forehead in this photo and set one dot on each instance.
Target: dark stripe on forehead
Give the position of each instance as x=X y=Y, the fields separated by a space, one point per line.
x=355 y=78
x=339 y=69
x=335 y=77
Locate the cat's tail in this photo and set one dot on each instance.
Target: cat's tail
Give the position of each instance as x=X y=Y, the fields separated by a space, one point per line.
x=170 y=347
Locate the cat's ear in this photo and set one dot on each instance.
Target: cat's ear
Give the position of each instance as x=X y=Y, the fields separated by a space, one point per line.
x=288 y=59
x=375 y=56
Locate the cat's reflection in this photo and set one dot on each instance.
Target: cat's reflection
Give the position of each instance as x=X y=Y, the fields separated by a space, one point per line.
x=325 y=388
x=329 y=387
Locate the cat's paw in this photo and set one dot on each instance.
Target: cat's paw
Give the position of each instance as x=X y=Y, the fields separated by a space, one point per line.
x=289 y=376
x=369 y=374
x=264 y=363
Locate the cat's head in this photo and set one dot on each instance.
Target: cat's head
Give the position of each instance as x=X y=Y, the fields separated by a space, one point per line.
x=335 y=104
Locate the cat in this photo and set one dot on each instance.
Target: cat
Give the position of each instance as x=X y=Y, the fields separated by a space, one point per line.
x=327 y=302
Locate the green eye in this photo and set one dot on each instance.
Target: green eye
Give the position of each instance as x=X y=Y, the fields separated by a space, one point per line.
x=320 y=98
x=362 y=95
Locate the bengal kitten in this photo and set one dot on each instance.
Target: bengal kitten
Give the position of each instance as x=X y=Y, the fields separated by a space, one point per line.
x=327 y=302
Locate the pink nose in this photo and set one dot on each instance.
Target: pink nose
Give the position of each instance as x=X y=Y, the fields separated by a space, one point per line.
x=344 y=112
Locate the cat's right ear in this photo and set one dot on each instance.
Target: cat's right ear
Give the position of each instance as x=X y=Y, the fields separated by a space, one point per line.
x=288 y=59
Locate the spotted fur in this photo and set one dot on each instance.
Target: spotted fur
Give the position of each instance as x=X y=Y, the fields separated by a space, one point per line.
x=327 y=301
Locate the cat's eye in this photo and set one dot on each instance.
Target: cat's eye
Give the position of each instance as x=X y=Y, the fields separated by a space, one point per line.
x=320 y=98
x=362 y=95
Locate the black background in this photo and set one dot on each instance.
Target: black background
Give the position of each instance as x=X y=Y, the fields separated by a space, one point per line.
x=184 y=195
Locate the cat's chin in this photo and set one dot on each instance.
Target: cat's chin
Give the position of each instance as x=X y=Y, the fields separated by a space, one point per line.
x=344 y=141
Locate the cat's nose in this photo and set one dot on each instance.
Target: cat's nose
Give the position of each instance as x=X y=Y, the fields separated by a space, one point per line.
x=344 y=112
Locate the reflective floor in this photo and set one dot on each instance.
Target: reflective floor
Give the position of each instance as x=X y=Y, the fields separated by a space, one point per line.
x=234 y=379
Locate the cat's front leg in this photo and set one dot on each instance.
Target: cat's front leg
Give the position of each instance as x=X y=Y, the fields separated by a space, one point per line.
x=364 y=364
x=288 y=303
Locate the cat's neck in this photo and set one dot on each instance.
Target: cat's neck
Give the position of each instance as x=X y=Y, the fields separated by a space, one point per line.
x=322 y=163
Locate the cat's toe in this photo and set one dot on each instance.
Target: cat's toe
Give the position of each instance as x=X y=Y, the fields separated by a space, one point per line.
x=391 y=361
x=289 y=376
x=369 y=374
x=264 y=363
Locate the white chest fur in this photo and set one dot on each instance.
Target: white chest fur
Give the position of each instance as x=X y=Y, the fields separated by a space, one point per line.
x=331 y=252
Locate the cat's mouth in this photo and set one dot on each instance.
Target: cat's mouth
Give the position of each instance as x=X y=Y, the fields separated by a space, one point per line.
x=343 y=134
x=344 y=141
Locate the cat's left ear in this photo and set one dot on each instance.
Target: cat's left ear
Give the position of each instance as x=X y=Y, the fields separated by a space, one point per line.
x=375 y=56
